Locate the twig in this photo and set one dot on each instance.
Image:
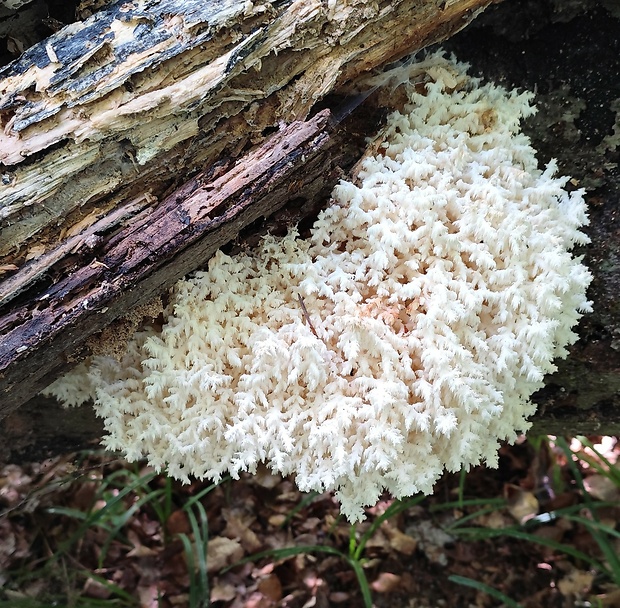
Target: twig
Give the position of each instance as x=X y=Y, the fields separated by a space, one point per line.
x=306 y=315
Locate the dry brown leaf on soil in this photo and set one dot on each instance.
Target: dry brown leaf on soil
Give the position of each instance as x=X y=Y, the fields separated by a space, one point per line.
x=522 y=504
x=149 y=596
x=238 y=527
x=609 y=600
x=222 y=552
x=271 y=587
x=602 y=487
x=96 y=590
x=401 y=542
x=222 y=592
x=386 y=583
x=178 y=523
x=576 y=583
x=139 y=550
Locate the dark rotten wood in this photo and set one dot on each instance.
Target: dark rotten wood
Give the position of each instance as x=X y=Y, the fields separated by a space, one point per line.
x=156 y=248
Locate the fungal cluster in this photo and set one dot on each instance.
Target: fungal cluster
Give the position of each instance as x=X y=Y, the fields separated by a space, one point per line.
x=404 y=337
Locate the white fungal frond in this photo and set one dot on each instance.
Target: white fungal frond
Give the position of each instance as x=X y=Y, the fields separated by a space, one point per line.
x=404 y=337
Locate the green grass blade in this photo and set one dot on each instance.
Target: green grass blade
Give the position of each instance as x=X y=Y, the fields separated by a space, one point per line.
x=200 y=531
x=491 y=591
x=122 y=520
x=194 y=499
x=303 y=503
x=362 y=581
x=612 y=471
x=286 y=552
x=453 y=527
x=128 y=599
x=191 y=569
x=483 y=533
x=595 y=525
x=496 y=503
x=68 y=512
x=606 y=547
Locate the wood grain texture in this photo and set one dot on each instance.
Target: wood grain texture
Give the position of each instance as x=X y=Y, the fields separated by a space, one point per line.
x=111 y=274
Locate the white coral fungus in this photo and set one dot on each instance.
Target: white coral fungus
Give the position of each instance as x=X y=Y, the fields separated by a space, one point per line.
x=404 y=337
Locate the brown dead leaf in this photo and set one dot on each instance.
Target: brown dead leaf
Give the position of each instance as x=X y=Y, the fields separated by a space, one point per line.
x=258 y=600
x=238 y=527
x=601 y=487
x=401 y=542
x=609 y=600
x=522 y=504
x=496 y=520
x=271 y=587
x=96 y=590
x=223 y=592
x=576 y=583
x=265 y=478
x=276 y=521
x=178 y=523
x=222 y=552
x=339 y=597
x=378 y=541
x=84 y=497
x=149 y=596
x=386 y=583
x=139 y=550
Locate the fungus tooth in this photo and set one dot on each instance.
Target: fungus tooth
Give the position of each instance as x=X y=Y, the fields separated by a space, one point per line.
x=440 y=284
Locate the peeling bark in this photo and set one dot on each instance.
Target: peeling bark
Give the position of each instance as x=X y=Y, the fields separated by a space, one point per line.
x=154 y=248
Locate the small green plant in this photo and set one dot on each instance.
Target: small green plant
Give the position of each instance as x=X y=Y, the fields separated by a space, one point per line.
x=196 y=550
x=479 y=586
x=354 y=556
x=603 y=534
x=119 y=497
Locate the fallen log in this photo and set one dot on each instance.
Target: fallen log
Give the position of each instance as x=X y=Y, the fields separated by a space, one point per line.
x=107 y=117
x=583 y=396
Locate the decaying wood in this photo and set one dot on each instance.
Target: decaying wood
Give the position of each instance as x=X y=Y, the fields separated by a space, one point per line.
x=139 y=94
x=582 y=397
x=104 y=119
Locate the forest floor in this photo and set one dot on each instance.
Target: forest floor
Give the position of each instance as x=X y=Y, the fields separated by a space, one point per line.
x=91 y=530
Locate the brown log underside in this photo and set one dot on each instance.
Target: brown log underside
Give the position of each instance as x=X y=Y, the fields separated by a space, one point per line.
x=42 y=428
x=102 y=121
